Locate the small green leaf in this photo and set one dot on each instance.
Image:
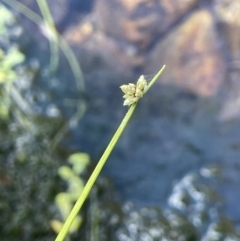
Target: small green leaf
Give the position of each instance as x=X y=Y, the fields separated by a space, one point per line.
x=56 y=225
x=76 y=186
x=3 y=111
x=65 y=172
x=6 y=17
x=64 y=203
x=76 y=224
x=12 y=58
x=79 y=161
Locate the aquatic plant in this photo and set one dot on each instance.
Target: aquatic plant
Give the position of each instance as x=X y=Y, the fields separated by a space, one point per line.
x=9 y=59
x=87 y=188
x=65 y=200
x=56 y=41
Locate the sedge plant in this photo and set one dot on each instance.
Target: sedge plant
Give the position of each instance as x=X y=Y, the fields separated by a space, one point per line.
x=132 y=93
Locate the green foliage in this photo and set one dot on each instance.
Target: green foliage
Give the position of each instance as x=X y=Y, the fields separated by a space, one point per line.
x=65 y=200
x=6 y=17
x=29 y=166
x=79 y=162
x=57 y=39
x=28 y=183
x=7 y=63
x=8 y=60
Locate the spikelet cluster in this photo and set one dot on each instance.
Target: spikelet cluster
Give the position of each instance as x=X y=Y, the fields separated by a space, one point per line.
x=132 y=92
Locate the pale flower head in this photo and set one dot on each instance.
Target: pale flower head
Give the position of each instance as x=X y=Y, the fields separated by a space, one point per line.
x=141 y=83
x=132 y=92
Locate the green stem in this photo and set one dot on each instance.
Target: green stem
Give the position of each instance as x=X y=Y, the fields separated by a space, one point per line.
x=94 y=175
x=24 y=10
x=62 y=234
x=155 y=77
x=53 y=38
x=73 y=62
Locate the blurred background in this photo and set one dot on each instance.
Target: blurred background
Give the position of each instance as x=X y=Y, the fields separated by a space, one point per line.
x=175 y=173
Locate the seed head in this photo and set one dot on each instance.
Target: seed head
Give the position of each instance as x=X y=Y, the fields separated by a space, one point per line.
x=132 y=92
x=142 y=84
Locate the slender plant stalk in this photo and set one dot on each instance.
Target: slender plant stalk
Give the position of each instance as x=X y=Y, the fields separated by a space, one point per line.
x=94 y=175
x=73 y=62
x=87 y=188
x=24 y=10
x=53 y=37
x=154 y=79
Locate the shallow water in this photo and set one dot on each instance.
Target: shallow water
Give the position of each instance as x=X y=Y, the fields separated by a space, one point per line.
x=176 y=153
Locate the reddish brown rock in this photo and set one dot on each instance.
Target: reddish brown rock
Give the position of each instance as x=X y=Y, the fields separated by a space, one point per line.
x=91 y=45
x=58 y=10
x=192 y=56
x=80 y=33
x=228 y=13
x=138 y=22
x=173 y=9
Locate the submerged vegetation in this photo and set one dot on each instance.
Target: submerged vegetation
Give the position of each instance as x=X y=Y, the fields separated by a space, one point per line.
x=29 y=162
x=65 y=200
x=9 y=58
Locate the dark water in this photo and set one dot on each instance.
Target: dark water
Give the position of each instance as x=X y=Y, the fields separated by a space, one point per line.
x=159 y=149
